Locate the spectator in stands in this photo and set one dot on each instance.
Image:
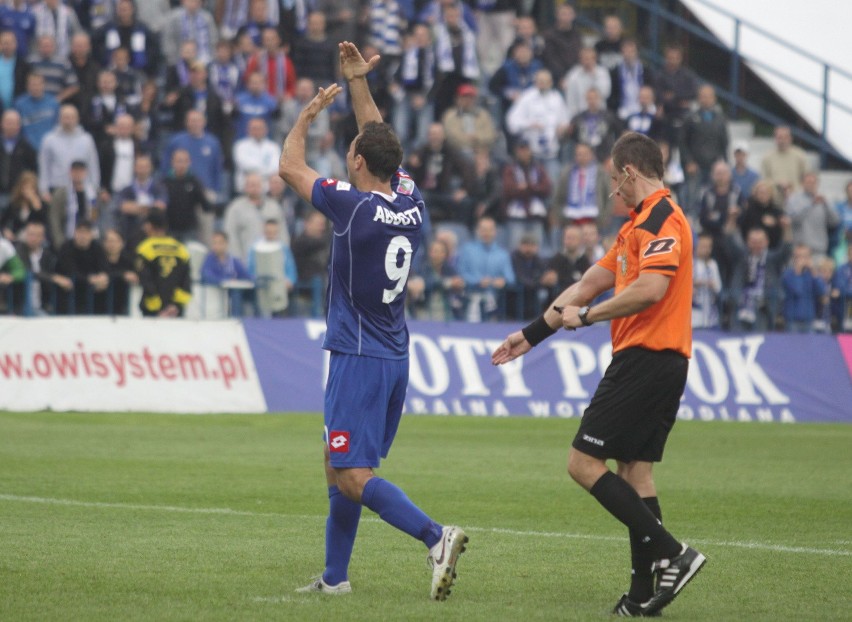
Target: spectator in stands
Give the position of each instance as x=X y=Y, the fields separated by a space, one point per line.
x=568 y=265
x=75 y=202
x=431 y=12
x=524 y=300
x=177 y=74
x=841 y=292
x=290 y=109
x=274 y=65
x=85 y=67
x=16 y=17
x=57 y=21
x=315 y=55
x=12 y=275
x=586 y=75
x=844 y=212
x=82 y=260
x=25 y=206
x=60 y=80
x=205 y=153
x=197 y=95
x=762 y=212
x=253 y=24
x=610 y=47
x=627 y=79
x=39 y=110
x=106 y=105
x=445 y=178
x=674 y=176
x=186 y=197
x=130 y=81
x=327 y=161
x=16 y=156
x=516 y=75
x=225 y=76
x=341 y=19
x=676 y=87
x=145 y=193
x=164 y=273
x=469 y=126
x=125 y=30
x=245 y=216
x=220 y=265
x=595 y=126
x=705 y=142
x=755 y=289
x=647 y=119
x=40 y=261
x=581 y=193
x=487 y=270
x=813 y=218
x=719 y=202
x=285 y=201
x=189 y=22
x=116 y=153
x=310 y=252
x=413 y=109
x=593 y=248
x=827 y=312
x=93 y=14
x=121 y=273
x=785 y=166
x=540 y=117
x=437 y=291
x=154 y=14
x=802 y=292
x=494 y=19
x=272 y=236
x=489 y=187
x=742 y=174
x=562 y=42
x=706 y=284
x=455 y=57
x=255 y=153
x=13 y=78
x=526 y=31
x=526 y=191
x=64 y=144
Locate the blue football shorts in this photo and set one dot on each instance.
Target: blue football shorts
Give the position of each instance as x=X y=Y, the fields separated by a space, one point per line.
x=364 y=397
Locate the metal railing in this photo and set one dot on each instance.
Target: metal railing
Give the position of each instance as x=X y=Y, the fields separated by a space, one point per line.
x=657 y=15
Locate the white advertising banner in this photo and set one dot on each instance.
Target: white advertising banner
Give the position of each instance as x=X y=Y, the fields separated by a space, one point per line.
x=127 y=364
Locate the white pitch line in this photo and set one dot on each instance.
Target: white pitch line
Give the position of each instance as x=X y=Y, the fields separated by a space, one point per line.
x=758 y=546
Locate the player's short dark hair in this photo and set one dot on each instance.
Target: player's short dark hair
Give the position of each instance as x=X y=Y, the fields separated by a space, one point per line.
x=640 y=152
x=380 y=148
x=157 y=219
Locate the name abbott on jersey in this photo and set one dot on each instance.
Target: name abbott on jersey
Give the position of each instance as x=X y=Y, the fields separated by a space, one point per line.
x=408 y=217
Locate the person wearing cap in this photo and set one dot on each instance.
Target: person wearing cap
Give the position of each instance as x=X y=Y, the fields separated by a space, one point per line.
x=742 y=174
x=469 y=126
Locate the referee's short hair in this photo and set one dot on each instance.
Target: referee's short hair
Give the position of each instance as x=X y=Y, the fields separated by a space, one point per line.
x=638 y=151
x=380 y=148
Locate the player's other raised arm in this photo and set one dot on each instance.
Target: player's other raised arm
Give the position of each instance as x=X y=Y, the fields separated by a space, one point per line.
x=292 y=166
x=354 y=69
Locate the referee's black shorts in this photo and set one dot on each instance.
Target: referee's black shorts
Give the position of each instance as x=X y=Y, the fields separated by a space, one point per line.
x=634 y=407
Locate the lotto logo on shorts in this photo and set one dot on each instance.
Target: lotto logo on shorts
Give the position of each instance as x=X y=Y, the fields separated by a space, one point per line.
x=338 y=442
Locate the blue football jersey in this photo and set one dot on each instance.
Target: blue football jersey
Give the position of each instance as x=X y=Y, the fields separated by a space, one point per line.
x=375 y=238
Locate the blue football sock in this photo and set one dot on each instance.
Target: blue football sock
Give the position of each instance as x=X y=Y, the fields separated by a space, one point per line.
x=396 y=509
x=340 y=529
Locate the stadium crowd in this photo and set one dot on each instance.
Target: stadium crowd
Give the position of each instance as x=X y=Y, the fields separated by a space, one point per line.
x=114 y=109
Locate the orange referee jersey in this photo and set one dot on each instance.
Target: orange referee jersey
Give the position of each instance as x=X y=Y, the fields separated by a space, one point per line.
x=656 y=239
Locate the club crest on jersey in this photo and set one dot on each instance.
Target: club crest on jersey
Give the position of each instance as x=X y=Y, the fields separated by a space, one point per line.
x=328 y=182
x=338 y=442
x=660 y=246
x=406 y=185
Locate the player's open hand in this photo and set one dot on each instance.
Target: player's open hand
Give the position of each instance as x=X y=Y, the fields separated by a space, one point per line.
x=352 y=64
x=321 y=100
x=514 y=346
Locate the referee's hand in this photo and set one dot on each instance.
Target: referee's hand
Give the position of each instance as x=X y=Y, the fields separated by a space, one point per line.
x=514 y=346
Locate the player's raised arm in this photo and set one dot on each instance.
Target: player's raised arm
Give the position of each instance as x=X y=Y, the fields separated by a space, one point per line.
x=292 y=166
x=354 y=69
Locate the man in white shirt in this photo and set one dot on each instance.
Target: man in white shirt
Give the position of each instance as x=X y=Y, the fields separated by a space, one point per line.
x=587 y=74
x=255 y=153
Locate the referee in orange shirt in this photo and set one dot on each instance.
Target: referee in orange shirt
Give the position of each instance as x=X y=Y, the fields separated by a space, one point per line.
x=636 y=403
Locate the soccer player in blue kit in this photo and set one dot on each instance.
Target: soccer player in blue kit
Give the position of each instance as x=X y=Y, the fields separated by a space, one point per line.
x=377 y=217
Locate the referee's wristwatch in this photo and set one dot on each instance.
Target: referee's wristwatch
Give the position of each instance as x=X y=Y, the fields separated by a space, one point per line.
x=583 y=314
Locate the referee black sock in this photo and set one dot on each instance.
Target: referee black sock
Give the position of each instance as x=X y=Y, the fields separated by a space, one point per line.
x=622 y=501
x=641 y=579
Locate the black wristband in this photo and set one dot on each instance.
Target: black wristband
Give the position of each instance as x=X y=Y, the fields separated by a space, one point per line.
x=537 y=331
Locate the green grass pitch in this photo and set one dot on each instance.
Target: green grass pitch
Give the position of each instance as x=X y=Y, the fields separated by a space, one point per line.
x=168 y=517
